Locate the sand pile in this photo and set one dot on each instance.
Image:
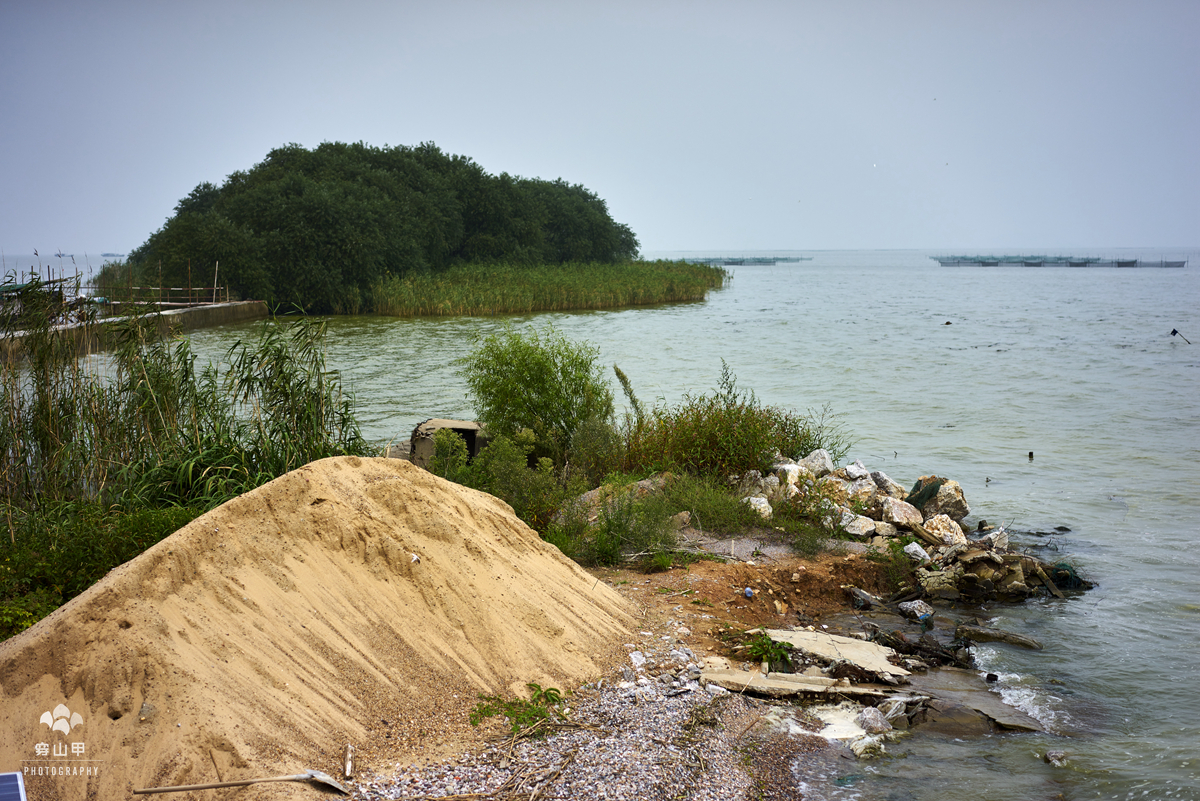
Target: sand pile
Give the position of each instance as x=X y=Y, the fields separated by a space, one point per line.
x=265 y=635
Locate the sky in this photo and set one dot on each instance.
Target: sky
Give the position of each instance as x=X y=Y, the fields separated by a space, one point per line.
x=706 y=126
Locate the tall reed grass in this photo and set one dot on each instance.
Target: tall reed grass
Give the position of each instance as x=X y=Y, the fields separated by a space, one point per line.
x=485 y=289
x=88 y=442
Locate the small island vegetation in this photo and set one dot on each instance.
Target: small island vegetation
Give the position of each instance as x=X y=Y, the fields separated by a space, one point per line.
x=406 y=231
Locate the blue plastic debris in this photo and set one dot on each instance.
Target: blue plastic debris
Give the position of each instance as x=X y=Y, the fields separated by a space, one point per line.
x=749 y=593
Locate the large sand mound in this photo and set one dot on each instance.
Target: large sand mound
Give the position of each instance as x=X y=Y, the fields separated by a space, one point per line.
x=265 y=635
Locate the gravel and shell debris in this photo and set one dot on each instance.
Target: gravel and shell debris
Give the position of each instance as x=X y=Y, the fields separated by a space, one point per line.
x=650 y=732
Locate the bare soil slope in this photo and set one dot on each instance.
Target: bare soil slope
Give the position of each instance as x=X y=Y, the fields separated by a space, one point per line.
x=265 y=635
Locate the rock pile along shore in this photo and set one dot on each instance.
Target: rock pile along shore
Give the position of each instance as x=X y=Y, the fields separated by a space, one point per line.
x=872 y=507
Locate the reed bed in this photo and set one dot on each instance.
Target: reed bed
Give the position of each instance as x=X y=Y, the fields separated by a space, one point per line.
x=487 y=289
x=100 y=457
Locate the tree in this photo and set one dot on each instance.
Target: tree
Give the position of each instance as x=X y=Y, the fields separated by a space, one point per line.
x=538 y=380
x=320 y=228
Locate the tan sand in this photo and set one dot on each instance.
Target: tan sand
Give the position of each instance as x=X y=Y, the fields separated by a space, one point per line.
x=265 y=635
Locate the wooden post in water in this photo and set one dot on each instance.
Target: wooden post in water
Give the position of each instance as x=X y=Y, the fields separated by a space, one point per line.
x=216 y=267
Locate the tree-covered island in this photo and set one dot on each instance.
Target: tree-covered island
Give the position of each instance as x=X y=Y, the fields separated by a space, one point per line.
x=349 y=228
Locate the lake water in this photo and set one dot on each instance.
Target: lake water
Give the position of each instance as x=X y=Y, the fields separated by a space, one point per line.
x=1075 y=365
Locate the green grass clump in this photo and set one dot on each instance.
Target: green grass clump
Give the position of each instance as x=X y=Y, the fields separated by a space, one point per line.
x=727 y=433
x=525 y=718
x=488 y=289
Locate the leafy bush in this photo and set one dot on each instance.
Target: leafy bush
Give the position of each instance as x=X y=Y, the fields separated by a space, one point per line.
x=597 y=449
x=540 y=381
x=727 y=433
x=763 y=649
x=63 y=548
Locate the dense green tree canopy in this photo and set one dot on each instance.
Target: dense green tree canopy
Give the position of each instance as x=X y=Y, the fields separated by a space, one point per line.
x=319 y=228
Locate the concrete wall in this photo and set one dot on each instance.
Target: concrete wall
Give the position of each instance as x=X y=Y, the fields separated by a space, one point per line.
x=95 y=337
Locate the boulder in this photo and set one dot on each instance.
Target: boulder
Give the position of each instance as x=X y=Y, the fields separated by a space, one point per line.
x=857 y=525
x=916 y=610
x=941 y=583
x=862 y=491
x=946 y=529
x=792 y=473
x=948 y=501
x=856 y=471
x=887 y=486
x=883 y=529
x=771 y=487
x=818 y=463
x=900 y=513
x=759 y=504
x=836 y=489
x=872 y=721
x=947 y=717
x=915 y=551
x=749 y=483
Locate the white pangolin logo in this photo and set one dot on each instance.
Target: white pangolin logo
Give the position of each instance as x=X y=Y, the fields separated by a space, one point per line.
x=62 y=719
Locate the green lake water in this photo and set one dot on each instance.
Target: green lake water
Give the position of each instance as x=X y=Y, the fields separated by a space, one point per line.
x=1075 y=365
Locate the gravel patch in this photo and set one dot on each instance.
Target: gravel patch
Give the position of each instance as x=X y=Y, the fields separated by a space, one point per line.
x=638 y=742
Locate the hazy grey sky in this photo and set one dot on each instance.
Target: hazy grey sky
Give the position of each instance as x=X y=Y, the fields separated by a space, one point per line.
x=706 y=126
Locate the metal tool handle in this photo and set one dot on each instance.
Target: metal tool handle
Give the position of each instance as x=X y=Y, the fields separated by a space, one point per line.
x=182 y=788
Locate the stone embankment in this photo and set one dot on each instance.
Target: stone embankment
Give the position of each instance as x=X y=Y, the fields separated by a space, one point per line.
x=872 y=507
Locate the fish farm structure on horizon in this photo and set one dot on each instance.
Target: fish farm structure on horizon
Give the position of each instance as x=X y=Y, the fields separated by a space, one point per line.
x=1050 y=261
x=728 y=261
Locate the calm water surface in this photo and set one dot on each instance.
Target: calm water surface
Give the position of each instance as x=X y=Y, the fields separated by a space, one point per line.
x=1076 y=365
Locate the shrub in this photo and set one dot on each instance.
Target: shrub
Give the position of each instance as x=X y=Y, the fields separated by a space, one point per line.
x=597 y=449
x=727 y=432
x=538 y=380
x=627 y=529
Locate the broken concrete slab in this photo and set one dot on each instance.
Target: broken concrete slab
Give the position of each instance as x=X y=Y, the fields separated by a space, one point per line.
x=965 y=687
x=776 y=686
x=985 y=634
x=866 y=655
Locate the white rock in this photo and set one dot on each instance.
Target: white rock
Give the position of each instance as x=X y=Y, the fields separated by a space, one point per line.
x=867 y=746
x=856 y=471
x=638 y=658
x=917 y=610
x=950 y=532
x=818 y=463
x=900 y=513
x=887 y=486
x=792 y=473
x=760 y=505
x=770 y=487
x=863 y=491
x=883 y=529
x=948 y=501
x=872 y=721
x=916 y=552
x=837 y=489
x=858 y=525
